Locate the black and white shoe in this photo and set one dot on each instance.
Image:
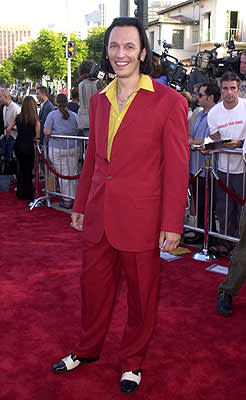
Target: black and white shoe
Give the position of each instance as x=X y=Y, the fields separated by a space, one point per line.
x=130 y=381
x=71 y=362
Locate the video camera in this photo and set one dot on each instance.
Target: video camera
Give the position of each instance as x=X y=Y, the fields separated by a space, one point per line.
x=96 y=72
x=174 y=70
x=207 y=60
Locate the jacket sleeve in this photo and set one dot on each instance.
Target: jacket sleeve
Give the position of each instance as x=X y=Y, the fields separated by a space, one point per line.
x=175 y=167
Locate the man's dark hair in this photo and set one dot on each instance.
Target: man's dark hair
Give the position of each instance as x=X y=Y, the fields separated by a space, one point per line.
x=229 y=76
x=75 y=93
x=146 y=65
x=43 y=90
x=85 y=67
x=212 y=89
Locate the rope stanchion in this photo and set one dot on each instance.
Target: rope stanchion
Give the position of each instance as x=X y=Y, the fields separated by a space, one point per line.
x=204 y=254
x=53 y=170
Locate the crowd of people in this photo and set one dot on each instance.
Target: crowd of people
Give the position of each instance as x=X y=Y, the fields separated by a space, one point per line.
x=131 y=196
x=22 y=127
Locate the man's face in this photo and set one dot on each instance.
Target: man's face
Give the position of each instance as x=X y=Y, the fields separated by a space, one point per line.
x=229 y=93
x=243 y=64
x=124 y=51
x=194 y=94
x=40 y=96
x=3 y=98
x=203 y=98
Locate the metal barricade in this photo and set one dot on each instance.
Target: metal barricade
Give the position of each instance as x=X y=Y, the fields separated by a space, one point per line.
x=212 y=170
x=63 y=158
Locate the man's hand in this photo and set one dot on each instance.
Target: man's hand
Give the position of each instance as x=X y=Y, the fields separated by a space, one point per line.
x=233 y=144
x=8 y=130
x=172 y=240
x=77 y=221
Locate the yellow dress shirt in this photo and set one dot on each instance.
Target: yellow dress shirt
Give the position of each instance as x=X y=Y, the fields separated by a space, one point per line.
x=116 y=116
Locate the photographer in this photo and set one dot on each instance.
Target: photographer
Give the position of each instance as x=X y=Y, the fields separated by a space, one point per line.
x=87 y=87
x=242 y=75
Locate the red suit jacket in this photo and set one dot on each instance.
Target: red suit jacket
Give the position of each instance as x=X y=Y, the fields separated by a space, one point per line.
x=143 y=188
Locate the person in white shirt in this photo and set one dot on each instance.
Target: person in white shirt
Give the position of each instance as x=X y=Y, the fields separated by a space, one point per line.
x=10 y=111
x=227 y=120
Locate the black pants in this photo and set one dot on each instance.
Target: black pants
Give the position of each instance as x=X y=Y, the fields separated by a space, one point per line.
x=237 y=267
x=24 y=177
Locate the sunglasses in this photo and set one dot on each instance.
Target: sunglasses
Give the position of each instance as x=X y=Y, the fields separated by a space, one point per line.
x=200 y=94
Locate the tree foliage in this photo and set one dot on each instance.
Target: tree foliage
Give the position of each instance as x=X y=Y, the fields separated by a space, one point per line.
x=94 y=42
x=6 y=72
x=45 y=55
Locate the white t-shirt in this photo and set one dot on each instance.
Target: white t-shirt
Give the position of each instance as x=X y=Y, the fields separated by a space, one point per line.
x=231 y=124
x=9 y=113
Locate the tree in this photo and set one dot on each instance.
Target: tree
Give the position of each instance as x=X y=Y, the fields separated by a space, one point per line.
x=45 y=55
x=21 y=59
x=49 y=50
x=6 y=72
x=94 y=42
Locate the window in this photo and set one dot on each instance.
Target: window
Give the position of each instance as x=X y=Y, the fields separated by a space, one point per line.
x=178 y=39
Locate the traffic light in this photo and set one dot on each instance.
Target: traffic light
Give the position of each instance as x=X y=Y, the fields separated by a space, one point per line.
x=70 y=49
x=141 y=11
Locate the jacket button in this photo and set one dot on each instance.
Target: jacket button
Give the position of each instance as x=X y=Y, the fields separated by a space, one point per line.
x=110 y=177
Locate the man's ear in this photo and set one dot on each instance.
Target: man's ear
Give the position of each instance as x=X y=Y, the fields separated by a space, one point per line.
x=143 y=55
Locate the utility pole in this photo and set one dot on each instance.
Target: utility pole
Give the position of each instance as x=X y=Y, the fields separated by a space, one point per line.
x=124 y=8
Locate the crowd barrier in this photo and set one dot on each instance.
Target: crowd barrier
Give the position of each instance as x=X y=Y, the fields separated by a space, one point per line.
x=212 y=179
x=61 y=157
x=65 y=171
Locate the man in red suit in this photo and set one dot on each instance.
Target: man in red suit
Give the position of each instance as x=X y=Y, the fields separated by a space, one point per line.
x=131 y=198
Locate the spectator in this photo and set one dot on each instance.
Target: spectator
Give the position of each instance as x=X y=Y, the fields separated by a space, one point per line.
x=188 y=97
x=226 y=120
x=242 y=75
x=194 y=106
x=86 y=88
x=52 y=99
x=62 y=152
x=74 y=104
x=236 y=272
x=236 y=269
x=1 y=120
x=10 y=110
x=208 y=96
x=28 y=130
x=45 y=108
x=157 y=69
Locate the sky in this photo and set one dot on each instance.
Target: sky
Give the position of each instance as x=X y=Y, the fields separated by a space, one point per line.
x=41 y=13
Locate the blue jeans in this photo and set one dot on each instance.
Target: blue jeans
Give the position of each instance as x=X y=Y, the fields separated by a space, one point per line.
x=7 y=146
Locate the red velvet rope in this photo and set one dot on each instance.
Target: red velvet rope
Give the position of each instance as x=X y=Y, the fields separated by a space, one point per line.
x=192 y=180
x=54 y=171
x=232 y=194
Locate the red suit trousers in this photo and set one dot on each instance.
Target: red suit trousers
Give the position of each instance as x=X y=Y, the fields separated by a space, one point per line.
x=101 y=272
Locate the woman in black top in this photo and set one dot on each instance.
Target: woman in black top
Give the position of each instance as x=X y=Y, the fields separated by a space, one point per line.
x=28 y=129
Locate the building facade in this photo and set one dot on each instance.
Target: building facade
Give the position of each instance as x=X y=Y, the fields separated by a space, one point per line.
x=196 y=25
x=10 y=36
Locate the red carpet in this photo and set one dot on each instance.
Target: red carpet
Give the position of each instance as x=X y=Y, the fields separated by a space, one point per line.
x=194 y=354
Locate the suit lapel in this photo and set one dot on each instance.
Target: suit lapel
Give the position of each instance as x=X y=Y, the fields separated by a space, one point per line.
x=136 y=106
